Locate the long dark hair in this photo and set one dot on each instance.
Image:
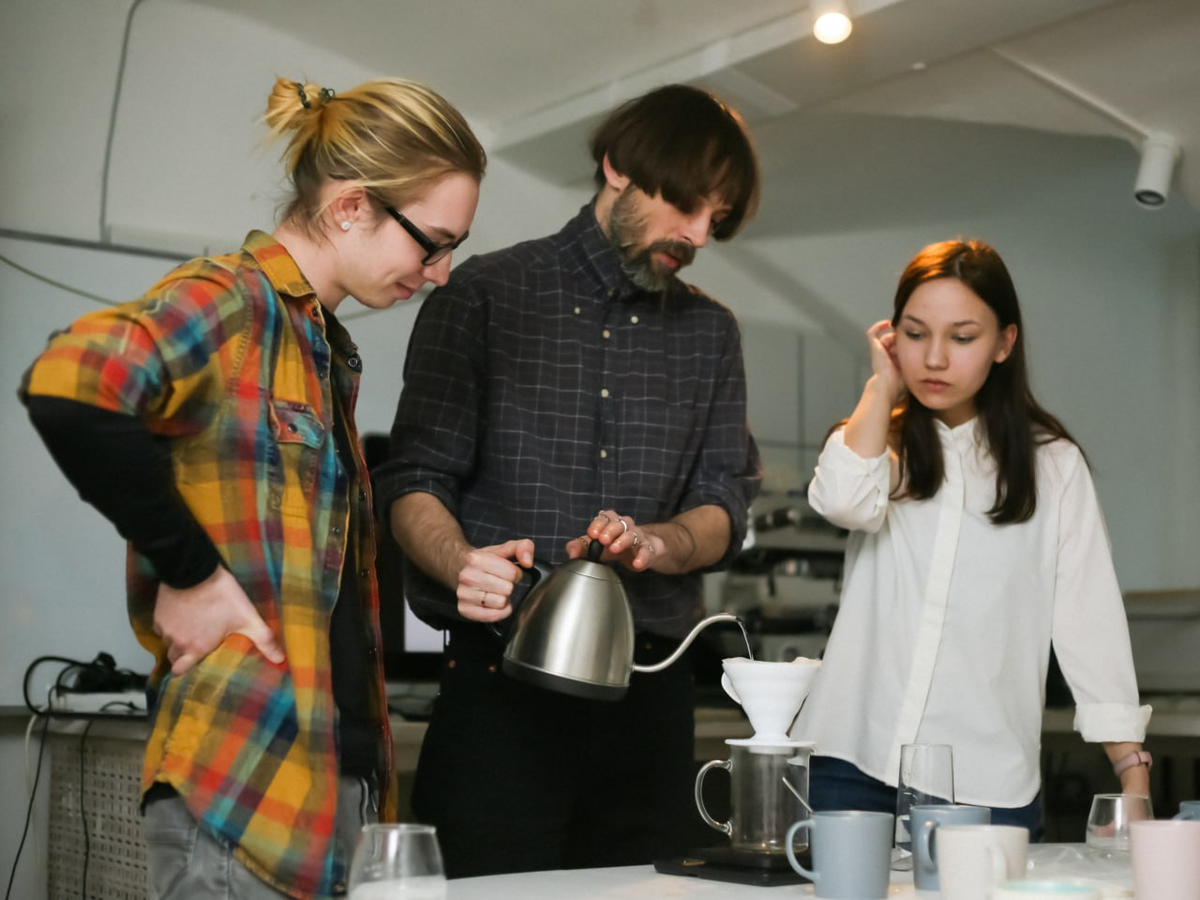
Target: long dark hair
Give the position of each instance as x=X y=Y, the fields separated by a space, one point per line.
x=1013 y=420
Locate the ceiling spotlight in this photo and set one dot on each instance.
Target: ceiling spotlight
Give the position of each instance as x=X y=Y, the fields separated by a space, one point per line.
x=831 y=21
x=1159 y=153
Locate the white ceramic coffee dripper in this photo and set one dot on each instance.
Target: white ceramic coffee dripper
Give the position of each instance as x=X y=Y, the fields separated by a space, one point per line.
x=770 y=693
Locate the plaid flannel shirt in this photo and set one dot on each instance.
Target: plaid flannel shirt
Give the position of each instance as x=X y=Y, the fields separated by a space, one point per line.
x=233 y=361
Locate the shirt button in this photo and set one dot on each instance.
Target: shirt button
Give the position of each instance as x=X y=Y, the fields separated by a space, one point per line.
x=607 y=334
x=604 y=392
x=633 y=319
x=578 y=310
x=354 y=362
x=364 y=573
x=604 y=454
x=612 y=292
x=337 y=530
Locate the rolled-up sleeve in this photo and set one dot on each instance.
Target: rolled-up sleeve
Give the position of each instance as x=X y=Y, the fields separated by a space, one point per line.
x=729 y=470
x=436 y=432
x=1090 y=631
x=849 y=490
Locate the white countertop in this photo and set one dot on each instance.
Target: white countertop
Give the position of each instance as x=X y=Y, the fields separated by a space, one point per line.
x=644 y=883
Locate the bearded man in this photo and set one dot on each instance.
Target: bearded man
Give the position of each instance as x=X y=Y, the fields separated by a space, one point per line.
x=566 y=390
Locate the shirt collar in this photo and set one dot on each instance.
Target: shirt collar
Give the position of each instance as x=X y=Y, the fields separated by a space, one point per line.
x=272 y=257
x=285 y=276
x=969 y=434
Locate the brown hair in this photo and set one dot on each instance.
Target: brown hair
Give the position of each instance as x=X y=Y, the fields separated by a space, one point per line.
x=686 y=144
x=398 y=138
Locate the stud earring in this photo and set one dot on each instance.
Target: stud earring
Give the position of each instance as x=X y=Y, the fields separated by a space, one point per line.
x=345 y=226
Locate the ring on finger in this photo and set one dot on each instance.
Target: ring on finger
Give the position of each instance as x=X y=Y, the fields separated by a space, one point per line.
x=636 y=539
x=605 y=516
x=624 y=526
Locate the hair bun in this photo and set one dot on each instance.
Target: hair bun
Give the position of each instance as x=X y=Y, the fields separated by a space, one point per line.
x=291 y=102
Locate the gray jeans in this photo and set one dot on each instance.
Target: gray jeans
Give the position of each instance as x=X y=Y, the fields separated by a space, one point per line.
x=186 y=863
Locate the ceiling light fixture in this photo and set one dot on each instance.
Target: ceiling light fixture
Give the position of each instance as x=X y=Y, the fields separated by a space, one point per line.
x=831 y=21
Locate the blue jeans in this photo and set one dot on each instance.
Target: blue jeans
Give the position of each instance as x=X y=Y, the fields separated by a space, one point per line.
x=837 y=784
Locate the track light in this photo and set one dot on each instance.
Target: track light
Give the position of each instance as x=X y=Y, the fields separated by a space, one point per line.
x=1159 y=153
x=831 y=21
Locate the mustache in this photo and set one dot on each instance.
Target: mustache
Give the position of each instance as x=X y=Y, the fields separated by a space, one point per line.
x=681 y=250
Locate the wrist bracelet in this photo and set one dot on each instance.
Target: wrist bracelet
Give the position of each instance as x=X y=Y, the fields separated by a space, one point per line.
x=1136 y=758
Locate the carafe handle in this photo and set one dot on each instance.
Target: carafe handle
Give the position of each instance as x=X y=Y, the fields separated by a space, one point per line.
x=727 y=765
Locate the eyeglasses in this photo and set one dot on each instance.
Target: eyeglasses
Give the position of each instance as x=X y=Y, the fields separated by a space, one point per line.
x=433 y=250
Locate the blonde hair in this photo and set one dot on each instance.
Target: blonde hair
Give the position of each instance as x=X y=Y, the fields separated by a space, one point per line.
x=397 y=138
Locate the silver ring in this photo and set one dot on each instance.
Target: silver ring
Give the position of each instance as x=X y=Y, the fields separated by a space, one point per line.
x=605 y=516
x=624 y=526
x=636 y=540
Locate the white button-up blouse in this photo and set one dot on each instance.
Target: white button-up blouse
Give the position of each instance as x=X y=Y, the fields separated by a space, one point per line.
x=945 y=624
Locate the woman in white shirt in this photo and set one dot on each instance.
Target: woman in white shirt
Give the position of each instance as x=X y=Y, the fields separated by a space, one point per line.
x=976 y=542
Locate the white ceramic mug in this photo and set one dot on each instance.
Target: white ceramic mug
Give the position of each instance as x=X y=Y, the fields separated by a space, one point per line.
x=1166 y=859
x=974 y=859
x=1056 y=889
x=926 y=824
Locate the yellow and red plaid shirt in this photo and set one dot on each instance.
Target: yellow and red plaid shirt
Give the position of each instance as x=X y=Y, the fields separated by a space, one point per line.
x=233 y=360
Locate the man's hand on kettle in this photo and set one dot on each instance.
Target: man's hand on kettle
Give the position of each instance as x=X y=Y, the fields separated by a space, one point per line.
x=624 y=541
x=487 y=577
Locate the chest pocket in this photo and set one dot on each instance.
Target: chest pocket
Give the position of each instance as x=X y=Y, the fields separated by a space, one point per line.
x=296 y=456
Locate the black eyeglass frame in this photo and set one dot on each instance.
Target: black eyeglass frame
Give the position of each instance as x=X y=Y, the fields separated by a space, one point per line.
x=433 y=250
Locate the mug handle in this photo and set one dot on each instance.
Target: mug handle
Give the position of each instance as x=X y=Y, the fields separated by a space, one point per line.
x=924 y=837
x=791 y=855
x=727 y=765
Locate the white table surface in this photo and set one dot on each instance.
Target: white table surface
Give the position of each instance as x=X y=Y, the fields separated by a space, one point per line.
x=643 y=883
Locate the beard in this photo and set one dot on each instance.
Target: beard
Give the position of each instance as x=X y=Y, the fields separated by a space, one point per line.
x=626 y=233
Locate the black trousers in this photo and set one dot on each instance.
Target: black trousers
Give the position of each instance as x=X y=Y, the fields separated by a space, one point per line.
x=519 y=778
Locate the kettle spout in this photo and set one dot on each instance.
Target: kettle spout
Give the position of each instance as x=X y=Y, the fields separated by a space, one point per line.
x=687 y=641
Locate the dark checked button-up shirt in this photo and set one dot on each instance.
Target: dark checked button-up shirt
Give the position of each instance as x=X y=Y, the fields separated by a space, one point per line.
x=541 y=386
x=233 y=364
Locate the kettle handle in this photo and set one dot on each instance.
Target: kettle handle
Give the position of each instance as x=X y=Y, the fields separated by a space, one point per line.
x=521 y=589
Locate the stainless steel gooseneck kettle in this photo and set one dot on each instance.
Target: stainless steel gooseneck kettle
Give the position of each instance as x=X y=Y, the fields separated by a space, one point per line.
x=573 y=632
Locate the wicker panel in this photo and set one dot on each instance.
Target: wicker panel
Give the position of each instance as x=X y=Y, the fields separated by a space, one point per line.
x=95 y=779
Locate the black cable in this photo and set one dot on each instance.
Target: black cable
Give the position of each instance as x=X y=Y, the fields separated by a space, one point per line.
x=29 y=810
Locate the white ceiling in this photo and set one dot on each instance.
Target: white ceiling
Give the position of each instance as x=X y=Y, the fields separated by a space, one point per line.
x=534 y=75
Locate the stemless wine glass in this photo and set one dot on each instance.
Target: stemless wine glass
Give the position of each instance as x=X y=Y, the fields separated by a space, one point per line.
x=1108 y=822
x=926 y=777
x=397 y=862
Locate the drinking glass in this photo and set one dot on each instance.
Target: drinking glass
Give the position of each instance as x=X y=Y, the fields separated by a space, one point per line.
x=1108 y=821
x=397 y=862
x=926 y=777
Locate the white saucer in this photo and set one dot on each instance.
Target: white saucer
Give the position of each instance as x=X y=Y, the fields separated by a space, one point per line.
x=770 y=741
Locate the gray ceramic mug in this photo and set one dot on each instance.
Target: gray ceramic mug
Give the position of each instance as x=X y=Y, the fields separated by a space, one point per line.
x=1189 y=809
x=924 y=823
x=851 y=852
